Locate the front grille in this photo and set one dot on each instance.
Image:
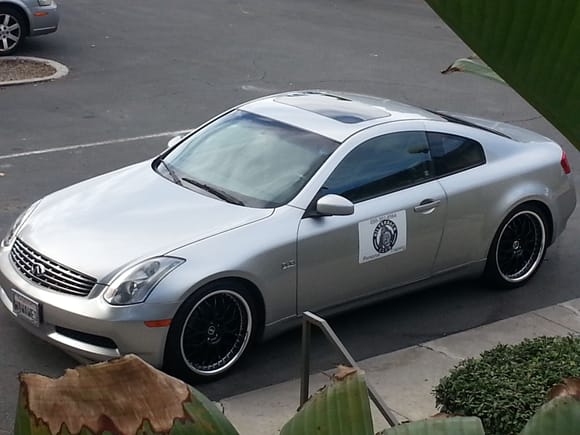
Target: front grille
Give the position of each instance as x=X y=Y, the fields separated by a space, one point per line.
x=43 y=271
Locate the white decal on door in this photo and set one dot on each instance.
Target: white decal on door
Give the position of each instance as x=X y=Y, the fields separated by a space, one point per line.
x=382 y=236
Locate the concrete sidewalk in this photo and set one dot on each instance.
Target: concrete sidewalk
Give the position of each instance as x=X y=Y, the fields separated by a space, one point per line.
x=404 y=378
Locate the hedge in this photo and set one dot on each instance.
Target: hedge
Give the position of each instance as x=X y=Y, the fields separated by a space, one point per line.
x=507 y=384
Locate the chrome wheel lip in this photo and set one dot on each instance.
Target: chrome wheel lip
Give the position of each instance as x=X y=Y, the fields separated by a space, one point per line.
x=242 y=303
x=9 y=25
x=531 y=265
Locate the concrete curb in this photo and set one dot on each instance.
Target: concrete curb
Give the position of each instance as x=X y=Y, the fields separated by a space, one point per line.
x=61 y=71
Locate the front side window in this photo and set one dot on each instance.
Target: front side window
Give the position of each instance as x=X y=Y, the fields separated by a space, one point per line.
x=453 y=153
x=255 y=160
x=381 y=165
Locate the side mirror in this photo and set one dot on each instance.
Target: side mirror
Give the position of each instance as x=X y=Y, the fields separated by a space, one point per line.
x=173 y=141
x=334 y=205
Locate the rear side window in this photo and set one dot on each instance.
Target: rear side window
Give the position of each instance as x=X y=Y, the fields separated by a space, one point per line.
x=451 y=153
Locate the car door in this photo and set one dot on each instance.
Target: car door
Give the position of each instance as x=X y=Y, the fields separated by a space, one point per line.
x=460 y=167
x=392 y=236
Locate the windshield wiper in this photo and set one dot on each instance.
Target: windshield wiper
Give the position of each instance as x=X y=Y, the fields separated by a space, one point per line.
x=171 y=172
x=216 y=192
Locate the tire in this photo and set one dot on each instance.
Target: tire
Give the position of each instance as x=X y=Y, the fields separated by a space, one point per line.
x=518 y=247
x=12 y=30
x=211 y=332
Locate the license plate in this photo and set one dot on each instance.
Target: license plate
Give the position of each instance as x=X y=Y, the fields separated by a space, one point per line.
x=26 y=308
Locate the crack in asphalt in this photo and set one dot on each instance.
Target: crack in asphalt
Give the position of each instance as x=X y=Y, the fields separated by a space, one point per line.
x=571 y=331
x=570 y=308
x=441 y=351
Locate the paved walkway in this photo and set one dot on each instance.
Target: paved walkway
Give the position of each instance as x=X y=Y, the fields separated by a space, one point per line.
x=406 y=377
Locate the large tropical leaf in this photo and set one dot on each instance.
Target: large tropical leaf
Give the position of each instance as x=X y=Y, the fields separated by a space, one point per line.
x=560 y=416
x=534 y=45
x=125 y=396
x=439 y=426
x=474 y=65
x=341 y=408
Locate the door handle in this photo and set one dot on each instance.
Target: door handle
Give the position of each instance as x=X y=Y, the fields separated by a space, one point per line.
x=426 y=205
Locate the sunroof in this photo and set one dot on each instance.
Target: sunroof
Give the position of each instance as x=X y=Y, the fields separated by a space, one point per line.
x=334 y=106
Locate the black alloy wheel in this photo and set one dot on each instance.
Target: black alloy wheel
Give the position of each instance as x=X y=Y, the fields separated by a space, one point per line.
x=211 y=332
x=519 y=247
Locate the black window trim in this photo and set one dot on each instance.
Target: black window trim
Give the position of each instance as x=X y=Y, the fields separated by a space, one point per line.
x=466 y=168
x=455 y=120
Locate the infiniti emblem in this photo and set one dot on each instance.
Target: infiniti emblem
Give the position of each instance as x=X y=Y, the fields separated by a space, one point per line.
x=38 y=270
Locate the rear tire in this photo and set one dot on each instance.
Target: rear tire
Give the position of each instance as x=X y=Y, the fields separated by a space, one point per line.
x=12 y=30
x=518 y=247
x=211 y=332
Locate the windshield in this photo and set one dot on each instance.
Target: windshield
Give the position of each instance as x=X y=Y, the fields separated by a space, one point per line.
x=253 y=160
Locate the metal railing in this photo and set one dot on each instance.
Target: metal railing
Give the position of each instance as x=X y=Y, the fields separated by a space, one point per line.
x=309 y=319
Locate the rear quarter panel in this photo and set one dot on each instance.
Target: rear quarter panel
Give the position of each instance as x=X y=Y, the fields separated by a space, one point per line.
x=479 y=199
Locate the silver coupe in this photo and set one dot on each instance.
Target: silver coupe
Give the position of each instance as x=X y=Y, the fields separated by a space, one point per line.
x=305 y=200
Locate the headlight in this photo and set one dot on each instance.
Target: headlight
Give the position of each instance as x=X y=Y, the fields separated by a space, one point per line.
x=17 y=225
x=44 y=2
x=134 y=284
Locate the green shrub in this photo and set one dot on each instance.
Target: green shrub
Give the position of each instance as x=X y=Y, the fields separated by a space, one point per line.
x=507 y=384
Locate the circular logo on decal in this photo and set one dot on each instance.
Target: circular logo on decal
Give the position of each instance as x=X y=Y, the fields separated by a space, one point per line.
x=385 y=236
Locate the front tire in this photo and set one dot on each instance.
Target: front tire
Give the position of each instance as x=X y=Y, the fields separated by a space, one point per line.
x=518 y=247
x=12 y=30
x=211 y=332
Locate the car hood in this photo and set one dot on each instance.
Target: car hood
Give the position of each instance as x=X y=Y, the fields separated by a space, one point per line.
x=99 y=225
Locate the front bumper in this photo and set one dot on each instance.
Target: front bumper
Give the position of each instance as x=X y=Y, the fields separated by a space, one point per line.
x=88 y=327
x=43 y=19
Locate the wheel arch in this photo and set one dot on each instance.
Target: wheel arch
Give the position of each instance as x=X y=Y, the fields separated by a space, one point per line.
x=233 y=280
x=21 y=10
x=537 y=207
x=231 y=283
x=258 y=299
x=547 y=214
x=533 y=202
x=524 y=191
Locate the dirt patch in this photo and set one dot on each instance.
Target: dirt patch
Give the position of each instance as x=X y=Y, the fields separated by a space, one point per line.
x=23 y=69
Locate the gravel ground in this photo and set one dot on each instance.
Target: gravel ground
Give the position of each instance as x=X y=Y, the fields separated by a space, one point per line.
x=21 y=69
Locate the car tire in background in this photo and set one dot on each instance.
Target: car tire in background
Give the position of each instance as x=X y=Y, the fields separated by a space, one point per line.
x=518 y=247
x=211 y=331
x=12 y=29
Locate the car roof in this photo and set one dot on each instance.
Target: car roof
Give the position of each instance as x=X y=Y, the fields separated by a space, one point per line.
x=335 y=115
